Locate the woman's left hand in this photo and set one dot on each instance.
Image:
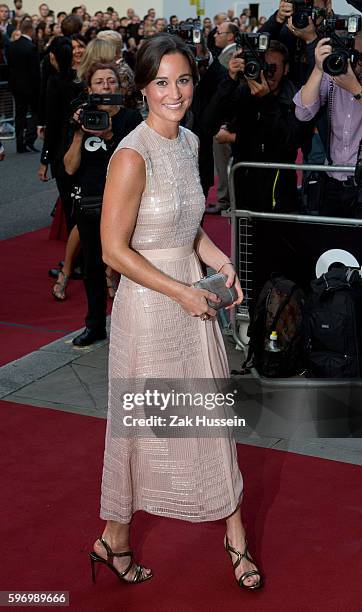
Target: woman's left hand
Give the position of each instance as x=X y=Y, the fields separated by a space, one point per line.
x=228 y=270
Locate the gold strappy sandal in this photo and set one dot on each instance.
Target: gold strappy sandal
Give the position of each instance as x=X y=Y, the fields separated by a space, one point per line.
x=245 y=575
x=60 y=286
x=139 y=575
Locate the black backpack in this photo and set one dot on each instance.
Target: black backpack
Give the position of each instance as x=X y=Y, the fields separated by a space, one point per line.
x=332 y=325
x=279 y=308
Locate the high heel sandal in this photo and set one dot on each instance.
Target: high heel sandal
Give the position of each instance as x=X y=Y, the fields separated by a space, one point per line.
x=138 y=577
x=62 y=282
x=245 y=575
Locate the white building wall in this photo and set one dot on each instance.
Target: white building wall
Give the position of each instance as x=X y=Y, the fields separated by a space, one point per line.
x=165 y=8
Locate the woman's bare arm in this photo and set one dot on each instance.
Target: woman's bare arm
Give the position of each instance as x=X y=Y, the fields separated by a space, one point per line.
x=213 y=257
x=208 y=252
x=73 y=156
x=121 y=200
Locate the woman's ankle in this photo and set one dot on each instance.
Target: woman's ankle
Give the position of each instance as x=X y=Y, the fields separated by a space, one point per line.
x=117 y=536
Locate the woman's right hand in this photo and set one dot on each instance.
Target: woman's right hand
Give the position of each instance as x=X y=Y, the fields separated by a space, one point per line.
x=194 y=301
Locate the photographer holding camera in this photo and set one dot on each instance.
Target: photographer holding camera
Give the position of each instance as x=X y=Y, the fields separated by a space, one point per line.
x=264 y=126
x=294 y=24
x=343 y=95
x=99 y=127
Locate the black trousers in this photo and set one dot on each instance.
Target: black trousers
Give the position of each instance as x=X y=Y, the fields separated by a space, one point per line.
x=65 y=191
x=94 y=269
x=341 y=199
x=25 y=129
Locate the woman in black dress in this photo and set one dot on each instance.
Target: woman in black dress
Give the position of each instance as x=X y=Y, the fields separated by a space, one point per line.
x=86 y=162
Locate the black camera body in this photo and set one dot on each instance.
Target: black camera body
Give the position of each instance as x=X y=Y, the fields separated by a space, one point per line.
x=303 y=9
x=254 y=48
x=343 y=47
x=90 y=117
x=189 y=32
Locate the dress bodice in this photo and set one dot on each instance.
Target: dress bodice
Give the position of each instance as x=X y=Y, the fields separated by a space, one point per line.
x=173 y=202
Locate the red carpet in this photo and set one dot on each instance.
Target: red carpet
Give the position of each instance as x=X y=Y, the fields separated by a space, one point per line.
x=303 y=518
x=29 y=315
x=216 y=226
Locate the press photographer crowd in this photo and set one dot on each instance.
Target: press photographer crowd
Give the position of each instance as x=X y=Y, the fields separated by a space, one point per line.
x=270 y=89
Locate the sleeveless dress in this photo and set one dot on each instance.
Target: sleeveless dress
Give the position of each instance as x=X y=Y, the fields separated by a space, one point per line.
x=194 y=479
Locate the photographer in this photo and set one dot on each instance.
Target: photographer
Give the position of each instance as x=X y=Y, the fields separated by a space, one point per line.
x=265 y=129
x=343 y=94
x=86 y=161
x=300 y=41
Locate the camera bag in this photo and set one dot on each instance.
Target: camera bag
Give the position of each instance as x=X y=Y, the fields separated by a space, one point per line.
x=90 y=205
x=279 y=308
x=332 y=324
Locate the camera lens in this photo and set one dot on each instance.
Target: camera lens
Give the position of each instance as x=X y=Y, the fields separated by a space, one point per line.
x=336 y=63
x=300 y=20
x=93 y=120
x=252 y=70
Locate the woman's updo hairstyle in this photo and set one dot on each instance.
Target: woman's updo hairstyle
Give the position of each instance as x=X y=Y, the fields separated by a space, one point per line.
x=151 y=52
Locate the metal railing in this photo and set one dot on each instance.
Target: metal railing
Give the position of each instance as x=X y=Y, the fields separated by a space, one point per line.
x=243 y=232
x=7 y=112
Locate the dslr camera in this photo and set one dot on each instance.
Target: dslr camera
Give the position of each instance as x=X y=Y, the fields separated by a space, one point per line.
x=254 y=48
x=302 y=10
x=91 y=118
x=189 y=32
x=343 y=47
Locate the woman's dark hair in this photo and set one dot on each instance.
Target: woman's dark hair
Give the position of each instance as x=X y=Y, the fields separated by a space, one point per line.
x=61 y=47
x=80 y=38
x=90 y=33
x=150 y=54
x=39 y=28
x=102 y=66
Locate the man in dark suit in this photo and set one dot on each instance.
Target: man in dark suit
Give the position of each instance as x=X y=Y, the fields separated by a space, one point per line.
x=225 y=36
x=24 y=81
x=210 y=78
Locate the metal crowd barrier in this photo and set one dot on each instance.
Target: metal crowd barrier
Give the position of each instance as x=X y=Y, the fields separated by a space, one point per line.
x=244 y=227
x=7 y=112
x=296 y=408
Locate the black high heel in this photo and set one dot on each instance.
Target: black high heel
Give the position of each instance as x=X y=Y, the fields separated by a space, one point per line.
x=138 y=577
x=245 y=575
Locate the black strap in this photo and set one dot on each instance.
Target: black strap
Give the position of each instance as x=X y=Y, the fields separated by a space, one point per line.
x=111 y=554
x=329 y=120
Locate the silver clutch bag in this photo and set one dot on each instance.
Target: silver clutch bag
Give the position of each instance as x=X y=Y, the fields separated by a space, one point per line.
x=216 y=284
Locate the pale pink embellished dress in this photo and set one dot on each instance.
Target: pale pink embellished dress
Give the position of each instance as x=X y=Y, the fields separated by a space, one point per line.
x=194 y=479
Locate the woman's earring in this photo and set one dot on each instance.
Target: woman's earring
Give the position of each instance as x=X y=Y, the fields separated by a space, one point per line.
x=143 y=99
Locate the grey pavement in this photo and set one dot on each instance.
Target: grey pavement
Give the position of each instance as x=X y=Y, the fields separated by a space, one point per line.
x=25 y=202
x=61 y=377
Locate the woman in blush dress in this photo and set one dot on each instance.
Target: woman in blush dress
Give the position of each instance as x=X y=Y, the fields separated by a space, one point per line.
x=162 y=326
